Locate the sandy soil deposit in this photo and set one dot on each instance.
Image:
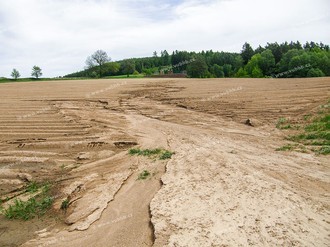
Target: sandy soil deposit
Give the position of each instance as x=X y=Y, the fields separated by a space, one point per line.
x=224 y=186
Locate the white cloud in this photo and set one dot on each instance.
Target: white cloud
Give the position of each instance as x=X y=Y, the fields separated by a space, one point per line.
x=58 y=35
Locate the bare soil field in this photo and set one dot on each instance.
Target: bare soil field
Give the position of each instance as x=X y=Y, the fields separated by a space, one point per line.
x=226 y=185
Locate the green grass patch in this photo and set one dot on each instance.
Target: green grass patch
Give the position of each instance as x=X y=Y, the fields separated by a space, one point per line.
x=29 y=209
x=3 y=80
x=320 y=143
x=318 y=135
x=324 y=150
x=315 y=132
x=34 y=186
x=290 y=147
x=145 y=152
x=35 y=206
x=284 y=127
x=307 y=117
x=144 y=175
x=157 y=153
x=166 y=155
x=283 y=124
x=287 y=147
x=319 y=124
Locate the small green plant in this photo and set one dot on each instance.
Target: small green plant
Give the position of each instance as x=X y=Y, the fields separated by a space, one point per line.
x=144 y=175
x=32 y=187
x=46 y=188
x=44 y=204
x=62 y=167
x=166 y=155
x=280 y=122
x=65 y=204
x=284 y=127
x=152 y=153
x=307 y=117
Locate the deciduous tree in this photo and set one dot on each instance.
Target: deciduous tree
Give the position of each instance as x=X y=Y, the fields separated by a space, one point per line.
x=36 y=72
x=15 y=74
x=98 y=58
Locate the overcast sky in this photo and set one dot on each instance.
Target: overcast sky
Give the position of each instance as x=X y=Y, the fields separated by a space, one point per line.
x=58 y=35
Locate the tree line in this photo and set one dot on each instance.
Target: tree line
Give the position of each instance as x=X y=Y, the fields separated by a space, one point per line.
x=285 y=60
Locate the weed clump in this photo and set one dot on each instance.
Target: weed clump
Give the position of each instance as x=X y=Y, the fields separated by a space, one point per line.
x=152 y=153
x=65 y=204
x=287 y=147
x=144 y=175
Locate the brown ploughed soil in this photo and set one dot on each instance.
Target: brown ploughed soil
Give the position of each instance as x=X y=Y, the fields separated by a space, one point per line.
x=224 y=186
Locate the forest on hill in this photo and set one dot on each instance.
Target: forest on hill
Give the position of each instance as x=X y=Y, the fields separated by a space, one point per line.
x=285 y=60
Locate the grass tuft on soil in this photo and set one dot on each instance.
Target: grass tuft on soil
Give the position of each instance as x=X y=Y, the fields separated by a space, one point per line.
x=324 y=150
x=65 y=204
x=144 y=175
x=292 y=147
x=287 y=147
x=157 y=153
x=284 y=124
